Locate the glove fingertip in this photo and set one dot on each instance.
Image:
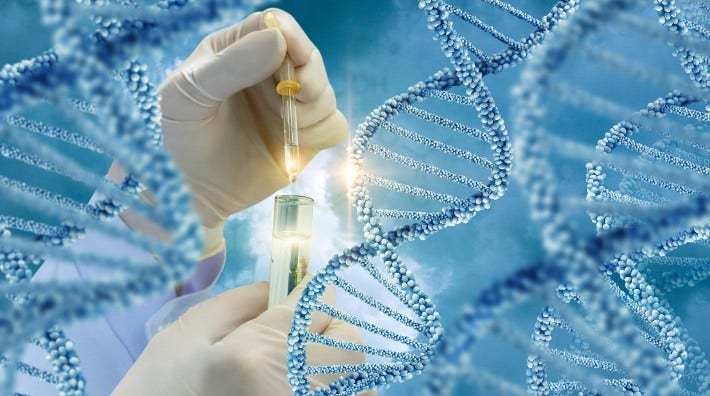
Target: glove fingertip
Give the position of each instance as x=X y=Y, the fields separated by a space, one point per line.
x=270 y=45
x=300 y=45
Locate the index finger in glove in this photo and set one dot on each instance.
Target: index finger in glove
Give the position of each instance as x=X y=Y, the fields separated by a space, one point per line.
x=299 y=45
x=194 y=91
x=310 y=69
x=223 y=38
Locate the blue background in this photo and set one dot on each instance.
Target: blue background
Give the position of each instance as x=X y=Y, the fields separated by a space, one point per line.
x=373 y=50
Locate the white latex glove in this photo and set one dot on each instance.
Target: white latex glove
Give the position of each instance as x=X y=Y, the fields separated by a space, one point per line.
x=229 y=345
x=221 y=119
x=222 y=116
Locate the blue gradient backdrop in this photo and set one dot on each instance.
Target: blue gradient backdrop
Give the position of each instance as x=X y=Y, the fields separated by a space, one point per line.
x=373 y=50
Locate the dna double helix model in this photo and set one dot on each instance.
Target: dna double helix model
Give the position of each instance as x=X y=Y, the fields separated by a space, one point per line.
x=646 y=183
x=82 y=83
x=643 y=190
x=481 y=180
x=668 y=138
x=602 y=317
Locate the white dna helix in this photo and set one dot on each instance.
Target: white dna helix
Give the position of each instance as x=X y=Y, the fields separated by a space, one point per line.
x=387 y=129
x=660 y=326
x=92 y=82
x=621 y=336
x=596 y=285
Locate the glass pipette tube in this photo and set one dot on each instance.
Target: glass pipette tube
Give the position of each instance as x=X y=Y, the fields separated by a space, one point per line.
x=287 y=88
x=290 y=246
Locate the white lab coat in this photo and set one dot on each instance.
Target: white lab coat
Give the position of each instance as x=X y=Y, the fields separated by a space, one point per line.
x=107 y=346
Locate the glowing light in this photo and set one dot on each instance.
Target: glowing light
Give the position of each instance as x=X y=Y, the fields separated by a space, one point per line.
x=349 y=174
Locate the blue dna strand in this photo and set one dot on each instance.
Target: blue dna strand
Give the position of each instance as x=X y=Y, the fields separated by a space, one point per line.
x=688 y=22
x=659 y=324
x=458 y=210
x=410 y=326
x=601 y=318
x=423 y=107
x=66 y=371
x=16 y=265
x=97 y=99
x=378 y=161
x=690 y=153
x=667 y=352
x=686 y=150
x=452 y=41
x=485 y=318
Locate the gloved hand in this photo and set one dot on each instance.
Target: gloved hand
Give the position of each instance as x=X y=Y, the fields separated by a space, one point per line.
x=229 y=345
x=221 y=119
x=222 y=116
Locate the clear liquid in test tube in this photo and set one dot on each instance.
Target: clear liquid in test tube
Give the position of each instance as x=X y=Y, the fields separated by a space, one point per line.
x=290 y=246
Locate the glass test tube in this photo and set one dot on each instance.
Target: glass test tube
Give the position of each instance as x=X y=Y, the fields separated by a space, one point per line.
x=291 y=244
